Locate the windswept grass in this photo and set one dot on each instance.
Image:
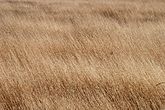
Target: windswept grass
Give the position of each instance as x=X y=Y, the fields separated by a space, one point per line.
x=82 y=55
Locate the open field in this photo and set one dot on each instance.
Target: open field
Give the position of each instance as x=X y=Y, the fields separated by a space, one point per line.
x=82 y=54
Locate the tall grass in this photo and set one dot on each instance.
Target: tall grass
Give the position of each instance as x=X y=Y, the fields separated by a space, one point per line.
x=85 y=55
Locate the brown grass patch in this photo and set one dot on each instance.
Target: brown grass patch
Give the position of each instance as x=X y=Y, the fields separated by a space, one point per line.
x=66 y=55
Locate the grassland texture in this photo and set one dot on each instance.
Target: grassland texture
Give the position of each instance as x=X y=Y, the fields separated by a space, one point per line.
x=82 y=54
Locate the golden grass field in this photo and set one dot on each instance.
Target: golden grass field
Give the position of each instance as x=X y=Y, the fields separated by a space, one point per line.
x=82 y=54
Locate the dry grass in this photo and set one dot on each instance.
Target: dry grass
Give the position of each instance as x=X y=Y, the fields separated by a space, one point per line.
x=82 y=55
